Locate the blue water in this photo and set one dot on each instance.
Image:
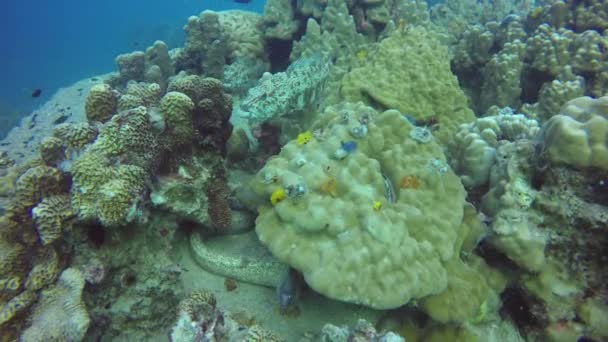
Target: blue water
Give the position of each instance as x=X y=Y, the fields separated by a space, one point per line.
x=51 y=44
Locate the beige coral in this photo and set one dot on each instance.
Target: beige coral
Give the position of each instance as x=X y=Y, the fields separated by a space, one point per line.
x=410 y=72
x=60 y=314
x=378 y=238
x=52 y=216
x=52 y=150
x=36 y=183
x=578 y=136
x=100 y=103
x=244 y=34
x=549 y=48
x=75 y=135
x=176 y=109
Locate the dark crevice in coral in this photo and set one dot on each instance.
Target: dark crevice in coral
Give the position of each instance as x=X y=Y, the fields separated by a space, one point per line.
x=96 y=234
x=474 y=195
x=527 y=312
x=494 y=257
x=373 y=102
x=279 y=51
x=188 y=227
x=537 y=181
x=532 y=80
x=470 y=80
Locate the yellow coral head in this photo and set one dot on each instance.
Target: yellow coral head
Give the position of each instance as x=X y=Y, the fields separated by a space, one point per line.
x=277 y=196
x=304 y=138
x=377 y=205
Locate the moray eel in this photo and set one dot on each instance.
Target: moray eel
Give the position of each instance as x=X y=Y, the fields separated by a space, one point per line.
x=261 y=269
x=389 y=189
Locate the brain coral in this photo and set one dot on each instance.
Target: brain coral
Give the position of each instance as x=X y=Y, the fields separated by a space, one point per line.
x=381 y=232
x=410 y=72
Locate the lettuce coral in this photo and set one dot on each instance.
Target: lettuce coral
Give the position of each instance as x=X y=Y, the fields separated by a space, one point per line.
x=60 y=314
x=100 y=103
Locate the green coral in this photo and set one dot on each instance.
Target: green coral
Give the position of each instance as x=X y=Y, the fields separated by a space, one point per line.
x=148 y=93
x=346 y=246
x=16 y=305
x=473 y=287
x=75 y=136
x=129 y=101
x=410 y=72
x=119 y=196
x=100 y=103
x=279 y=19
x=12 y=255
x=176 y=109
x=109 y=194
x=578 y=136
x=60 y=314
x=45 y=270
x=36 y=183
x=129 y=137
x=52 y=216
x=186 y=84
x=51 y=150
x=108 y=180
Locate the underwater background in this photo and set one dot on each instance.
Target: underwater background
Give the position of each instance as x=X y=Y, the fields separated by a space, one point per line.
x=304 y=170
x=53 y=44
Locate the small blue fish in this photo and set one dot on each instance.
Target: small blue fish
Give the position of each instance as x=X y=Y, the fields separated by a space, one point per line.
x=349 y=146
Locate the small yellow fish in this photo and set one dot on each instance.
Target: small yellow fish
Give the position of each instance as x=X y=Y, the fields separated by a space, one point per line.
x=377 y=205
x=277 y=196
x=304 y=138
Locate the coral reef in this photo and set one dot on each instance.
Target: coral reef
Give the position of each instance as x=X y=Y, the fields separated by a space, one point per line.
x=279 y=21
x=155 y=65
x=362 y=330
x=473 y=150
x=410 y=72
x=577 y=136
x=200 y=320
x=100 y=103
x=205 y=49
x=60 y=314
x=447 y=165
x=340 y=235
x=110 y=177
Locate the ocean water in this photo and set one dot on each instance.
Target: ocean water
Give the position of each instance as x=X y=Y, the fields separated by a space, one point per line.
x=362 y=170
x=51 y=44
